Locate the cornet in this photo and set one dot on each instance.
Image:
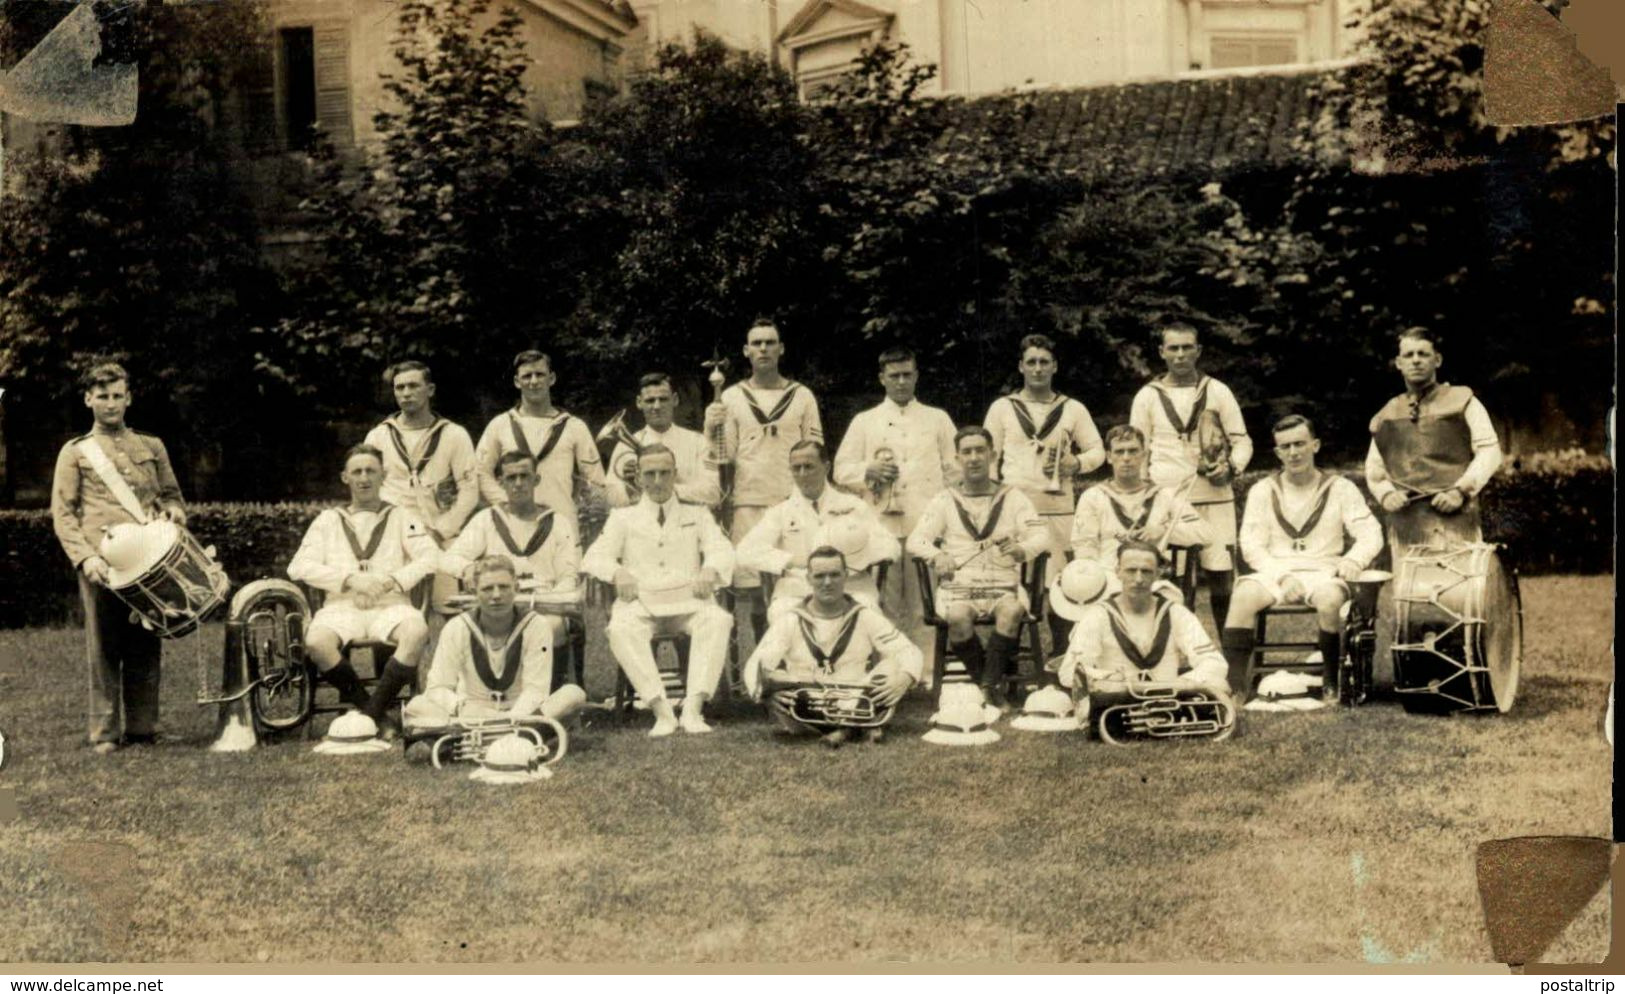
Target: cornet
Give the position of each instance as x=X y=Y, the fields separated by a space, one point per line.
x=885 y=493
x=1052 y=458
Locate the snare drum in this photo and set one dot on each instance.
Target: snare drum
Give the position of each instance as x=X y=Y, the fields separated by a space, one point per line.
x=169 y=581
x=1458 y=639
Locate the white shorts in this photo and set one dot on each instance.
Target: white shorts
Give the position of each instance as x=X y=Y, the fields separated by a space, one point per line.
x=982 y=600
x=1319 y=583
x=1059 y=544
x=353 y=624
x=744 y=519
x=1215 y=556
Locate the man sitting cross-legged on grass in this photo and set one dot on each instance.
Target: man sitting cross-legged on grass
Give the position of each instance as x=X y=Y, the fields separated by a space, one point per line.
x=1293 y=535
x=367 y=556
x=831 y=642
x=493 y=661
x=976 y=535
x=666 y=559
x=1136 y=636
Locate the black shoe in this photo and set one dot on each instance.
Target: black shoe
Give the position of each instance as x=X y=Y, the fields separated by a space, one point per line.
x=145 y=739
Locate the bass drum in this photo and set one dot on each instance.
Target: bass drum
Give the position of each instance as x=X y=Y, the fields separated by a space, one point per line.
x=1458 y=630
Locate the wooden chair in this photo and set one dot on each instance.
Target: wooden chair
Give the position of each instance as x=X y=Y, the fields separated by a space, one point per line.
x=1028 y=662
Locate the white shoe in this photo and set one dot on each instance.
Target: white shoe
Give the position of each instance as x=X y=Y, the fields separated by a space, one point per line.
x=664 y=726
x=694 y=723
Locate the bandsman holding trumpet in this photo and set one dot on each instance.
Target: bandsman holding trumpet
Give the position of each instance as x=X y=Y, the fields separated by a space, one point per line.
x=753 y=426
x=697 y=480
x=1042 y=442
x=110 y=475
x=899 y=454
x=976 y=536
x=560 y=443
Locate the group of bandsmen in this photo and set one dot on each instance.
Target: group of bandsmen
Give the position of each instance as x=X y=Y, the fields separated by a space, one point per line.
x=837 y=536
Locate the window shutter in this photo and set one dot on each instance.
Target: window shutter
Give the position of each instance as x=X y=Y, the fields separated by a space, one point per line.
x=333 y=83
x=256 y=95
x=1233 y=52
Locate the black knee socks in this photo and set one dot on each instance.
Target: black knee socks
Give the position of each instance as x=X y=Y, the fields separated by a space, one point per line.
x=1237 y=644
x=395 y=676
x=344 y=680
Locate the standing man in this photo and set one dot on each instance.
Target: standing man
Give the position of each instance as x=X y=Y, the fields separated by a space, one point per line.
x=901 y=454
x=1305 y=534
x=428 y=465
x=367 y=556
x=1167 y=411
x=697 y=482
x=760 y=419
x=1042 y=441
x=111 y=475
x=666 y=560
x=559 y=442
x=977 y=535
x=790 y=530
x=1433 y=449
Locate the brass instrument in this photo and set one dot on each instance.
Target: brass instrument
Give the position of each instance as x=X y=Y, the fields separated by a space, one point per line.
x=1052 y=457
x=465 y=740
x=264 y=671
x=885 y=493
x=1158 y=711
x=616 y=433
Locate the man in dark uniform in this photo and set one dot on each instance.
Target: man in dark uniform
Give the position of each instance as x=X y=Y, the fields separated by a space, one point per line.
x=1432 y=450
x=85 y=498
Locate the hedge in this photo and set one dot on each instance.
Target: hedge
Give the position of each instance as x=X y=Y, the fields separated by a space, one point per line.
x=1555 y=511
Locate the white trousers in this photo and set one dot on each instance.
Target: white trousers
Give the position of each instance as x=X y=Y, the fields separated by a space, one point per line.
x=631 y=627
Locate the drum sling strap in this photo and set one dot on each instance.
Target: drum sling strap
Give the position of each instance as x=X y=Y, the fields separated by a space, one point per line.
x=1186 y=428
x=363 y=556
x=1129 y=523
x=1300 y=535
x=544 y=527
x=826 y=660
x=1159 y=642
x=1024 y=418
x=112 y=480
x=548 y=444
x=769 y=420
x=511 y=654
x=414 y=469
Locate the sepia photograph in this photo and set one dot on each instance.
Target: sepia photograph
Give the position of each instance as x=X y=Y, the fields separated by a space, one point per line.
x=703 y=485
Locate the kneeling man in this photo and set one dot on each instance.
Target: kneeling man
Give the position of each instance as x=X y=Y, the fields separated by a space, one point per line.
x=666 y=559
x=1293 y=536
x=367 y=581
x=494 y=660
x=976 y=536
x=832 y=664
x=1136 y=637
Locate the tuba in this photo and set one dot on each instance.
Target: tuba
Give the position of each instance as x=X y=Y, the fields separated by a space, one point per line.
x=265 y=681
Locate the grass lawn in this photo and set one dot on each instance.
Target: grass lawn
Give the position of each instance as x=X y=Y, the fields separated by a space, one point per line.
x=1340 y=835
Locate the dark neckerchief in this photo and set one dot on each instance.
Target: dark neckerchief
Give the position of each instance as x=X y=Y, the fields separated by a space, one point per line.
x=1299 y=535
x=1416 y=400
x=363 y=555
x=1188 y=427
x=1130 y=524
x=1159 y=641
x=778 y=409
x=993 y=512
x=415 y=470
x=1024 y=418
x=827 y=660
x=544 y=526
x=512 y=653
x=550 y=442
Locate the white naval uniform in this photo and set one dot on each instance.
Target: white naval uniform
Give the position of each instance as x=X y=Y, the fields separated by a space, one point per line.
x=634 y=539
x=790 y=530
x=563 y=448
x=1176 y=453
x=430 y=470
x=1301 y=531
x=392 y=541
x=1022 y=430
x=697 y=480
x=523 y=663
x=801 y=648
x=968 y=529
x=759 y=429
x=1172 y=642
x=1105 y=514
x=921 y=440
x=546 y=552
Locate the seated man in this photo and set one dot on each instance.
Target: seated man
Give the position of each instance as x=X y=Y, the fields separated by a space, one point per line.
x=831 y=639
x=492 y=661
x=367 y=581
x=666 y=559
x=1135 y=637
x=780 y=542
x=542 y=545
x=1129 y=505
x=1293 y=536
x=976 y=535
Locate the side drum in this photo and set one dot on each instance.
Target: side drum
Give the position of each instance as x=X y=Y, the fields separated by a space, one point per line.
x=1458 y=641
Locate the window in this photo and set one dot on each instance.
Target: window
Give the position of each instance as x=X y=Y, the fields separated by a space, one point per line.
x=1236 y=51
x=298 y=97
